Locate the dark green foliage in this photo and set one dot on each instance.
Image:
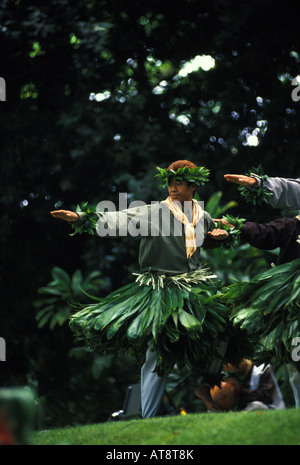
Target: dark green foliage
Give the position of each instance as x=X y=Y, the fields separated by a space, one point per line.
x=63 y=292
x=91 y=387
x=94 y=102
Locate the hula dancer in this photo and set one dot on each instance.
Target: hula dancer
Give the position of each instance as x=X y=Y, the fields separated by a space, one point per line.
x=267 y=307
x=278 y=192
x=171 y=311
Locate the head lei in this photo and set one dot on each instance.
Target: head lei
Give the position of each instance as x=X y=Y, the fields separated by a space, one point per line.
x=198 y=175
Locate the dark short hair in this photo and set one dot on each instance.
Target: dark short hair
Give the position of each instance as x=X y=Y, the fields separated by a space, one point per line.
x=180 y=164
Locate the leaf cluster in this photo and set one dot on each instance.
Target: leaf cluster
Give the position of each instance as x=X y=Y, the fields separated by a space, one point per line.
x=90 y=223
x=257 y=195
x=179 y=323
x=267 y=308
x=232 y=225
x=63 y=292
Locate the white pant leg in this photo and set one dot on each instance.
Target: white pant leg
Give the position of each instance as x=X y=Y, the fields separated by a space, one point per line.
x=152 y=386
x=294 y=378
x=256 y=405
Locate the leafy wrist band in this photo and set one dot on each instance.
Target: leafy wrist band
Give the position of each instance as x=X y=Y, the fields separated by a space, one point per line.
x=90 y=223
x=256 y=195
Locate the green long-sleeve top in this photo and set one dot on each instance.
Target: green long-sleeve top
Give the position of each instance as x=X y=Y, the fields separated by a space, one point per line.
x=162 y=238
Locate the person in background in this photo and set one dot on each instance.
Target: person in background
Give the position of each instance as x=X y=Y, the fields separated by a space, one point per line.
x=248 y=387
x=283 y=193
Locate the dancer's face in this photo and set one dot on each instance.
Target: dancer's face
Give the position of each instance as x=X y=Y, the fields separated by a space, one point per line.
x=182 y=192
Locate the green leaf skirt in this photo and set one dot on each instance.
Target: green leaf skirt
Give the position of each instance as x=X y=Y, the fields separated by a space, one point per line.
x=268 y=309
x=181 y=317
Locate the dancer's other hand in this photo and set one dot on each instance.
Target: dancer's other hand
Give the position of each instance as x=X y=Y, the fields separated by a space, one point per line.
x=65 y=215
x=241 y=179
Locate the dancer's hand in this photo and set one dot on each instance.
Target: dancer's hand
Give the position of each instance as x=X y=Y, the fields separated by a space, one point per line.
x=241 y=179
x=218 y=234
x=65 y=215
x=223 y=221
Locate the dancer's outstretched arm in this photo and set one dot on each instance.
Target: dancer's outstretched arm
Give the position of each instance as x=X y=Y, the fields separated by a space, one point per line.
x=282 y=192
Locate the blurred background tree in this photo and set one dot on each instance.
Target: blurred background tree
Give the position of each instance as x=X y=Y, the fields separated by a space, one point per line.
x=98 y=93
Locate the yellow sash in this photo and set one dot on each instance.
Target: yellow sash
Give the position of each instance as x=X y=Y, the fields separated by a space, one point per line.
x=197 y=214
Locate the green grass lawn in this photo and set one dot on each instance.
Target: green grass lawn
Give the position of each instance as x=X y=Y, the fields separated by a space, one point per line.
x=235 y=428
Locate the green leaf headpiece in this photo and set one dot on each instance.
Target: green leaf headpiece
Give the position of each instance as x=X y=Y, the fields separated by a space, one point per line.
x=198 y=175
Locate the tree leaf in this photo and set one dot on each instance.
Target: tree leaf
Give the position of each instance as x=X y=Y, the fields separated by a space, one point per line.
x=188 y=321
